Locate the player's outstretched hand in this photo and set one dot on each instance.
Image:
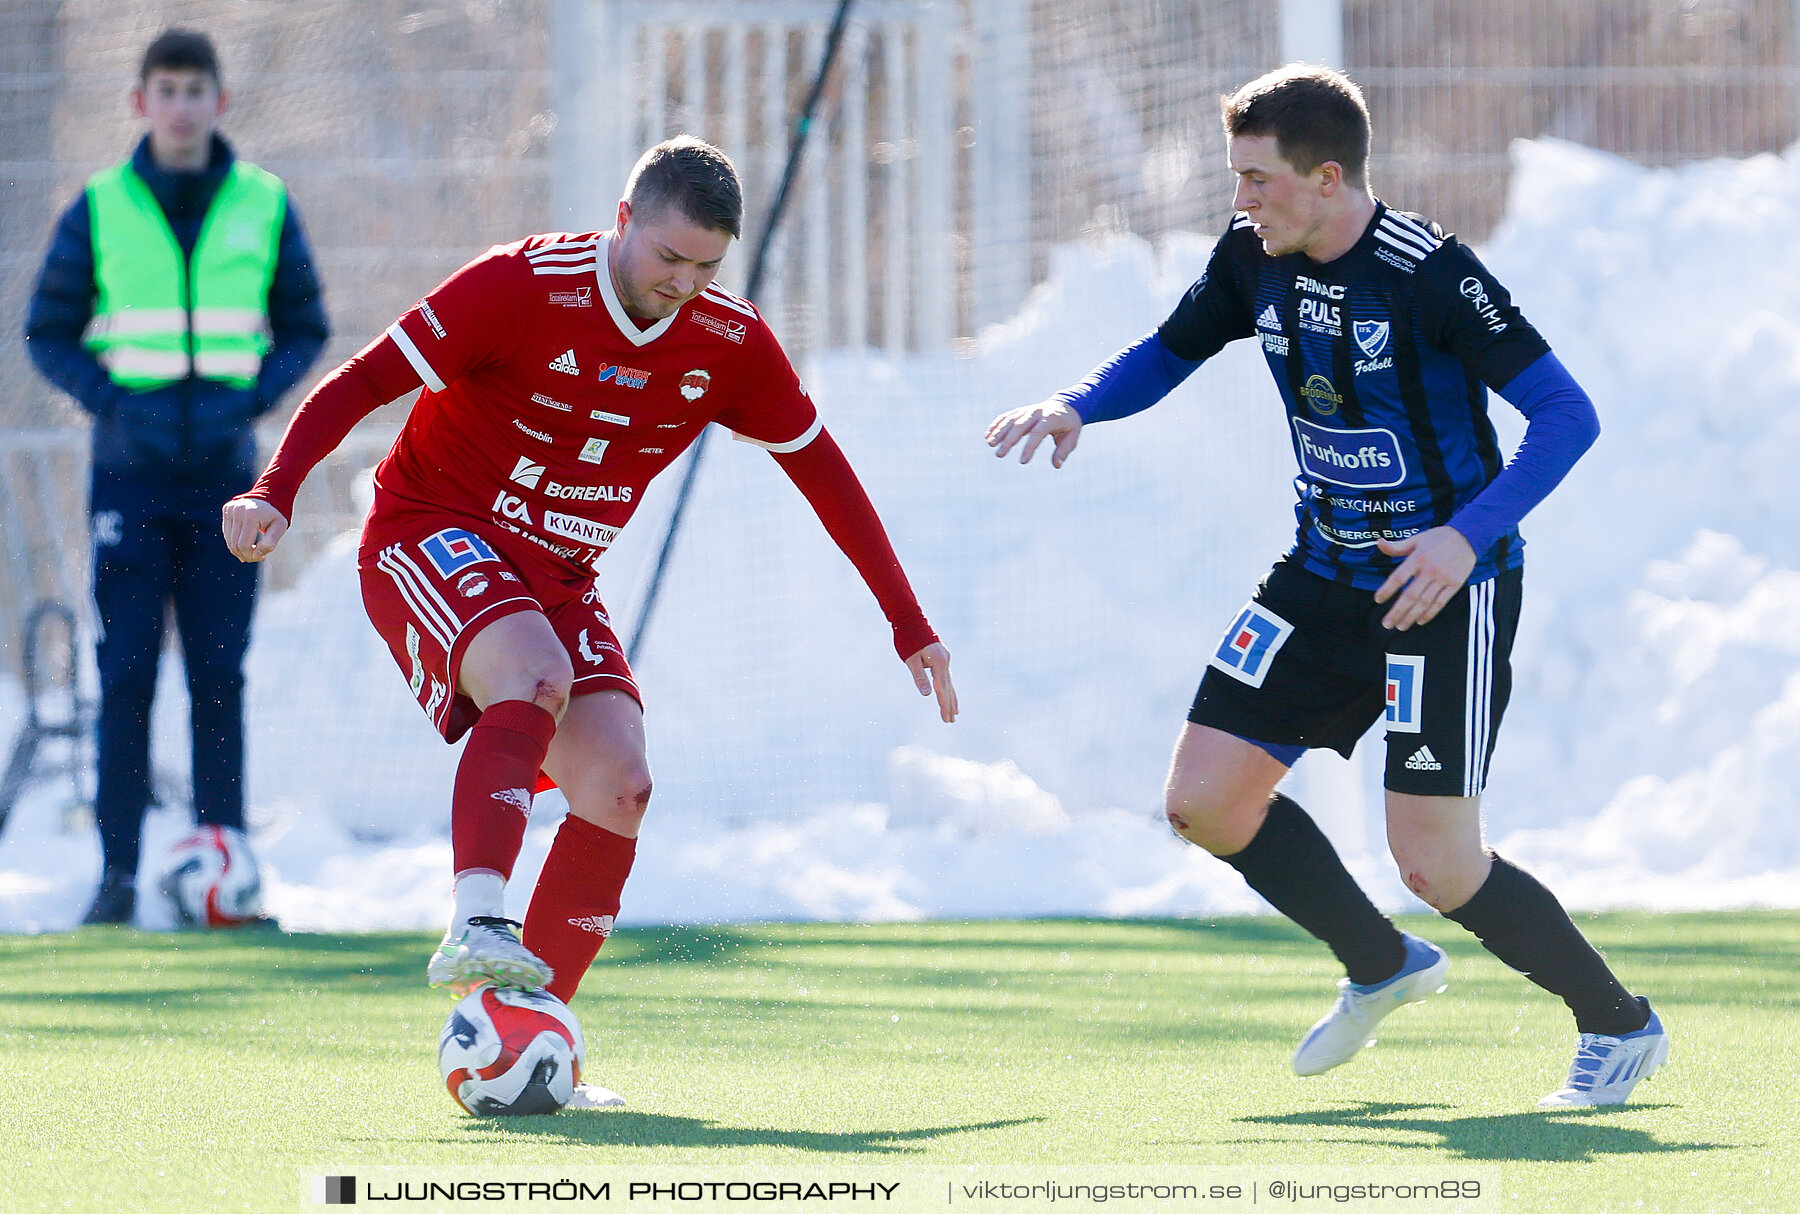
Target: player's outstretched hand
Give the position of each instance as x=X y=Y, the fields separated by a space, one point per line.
x=252 y=528
x=1438 y=562
x=931 y=672
x=1032 y=424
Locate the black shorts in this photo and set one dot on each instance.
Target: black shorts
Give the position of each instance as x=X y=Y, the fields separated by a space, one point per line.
x=1307 y=663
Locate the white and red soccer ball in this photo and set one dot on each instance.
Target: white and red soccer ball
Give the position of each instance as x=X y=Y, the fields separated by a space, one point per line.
x=210 y=879
x=511 y=1053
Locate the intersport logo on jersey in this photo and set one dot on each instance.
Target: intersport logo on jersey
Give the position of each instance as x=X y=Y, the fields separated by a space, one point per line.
x=625 y=377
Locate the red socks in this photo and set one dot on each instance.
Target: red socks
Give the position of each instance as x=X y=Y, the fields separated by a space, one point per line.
x=577 y=893
x=576 y=898
x=494 y=782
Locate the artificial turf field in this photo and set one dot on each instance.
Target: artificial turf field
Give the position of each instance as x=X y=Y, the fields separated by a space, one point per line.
x=202 y=1072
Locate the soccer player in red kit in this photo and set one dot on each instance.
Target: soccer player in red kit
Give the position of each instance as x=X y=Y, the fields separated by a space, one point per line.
x=561 y=373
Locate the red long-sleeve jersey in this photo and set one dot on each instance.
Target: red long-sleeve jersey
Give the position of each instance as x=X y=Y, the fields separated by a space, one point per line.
x=548 y=410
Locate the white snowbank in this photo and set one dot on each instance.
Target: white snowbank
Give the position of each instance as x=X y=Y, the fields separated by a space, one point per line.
x=1647 y=754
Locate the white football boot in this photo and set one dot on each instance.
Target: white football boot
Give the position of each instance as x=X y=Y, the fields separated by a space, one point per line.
x=593 y=1096
x=1607 y=1068
x=485 y=949
x=1352 y=1021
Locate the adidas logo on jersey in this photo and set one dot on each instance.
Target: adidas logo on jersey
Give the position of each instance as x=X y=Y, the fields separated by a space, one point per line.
x=1269 y=320
x=1423 y=760
x=600 y=925
x=565 y=362
x=527 y=473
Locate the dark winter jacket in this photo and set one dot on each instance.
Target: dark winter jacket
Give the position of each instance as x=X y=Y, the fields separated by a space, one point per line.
x=193 y=431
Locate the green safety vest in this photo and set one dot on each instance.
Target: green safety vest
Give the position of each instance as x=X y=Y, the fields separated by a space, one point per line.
x=160 y=317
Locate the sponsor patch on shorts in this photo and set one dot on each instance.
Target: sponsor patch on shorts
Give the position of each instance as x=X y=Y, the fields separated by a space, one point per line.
x=1249 y=646
x=1405 y=690
x=453 y=549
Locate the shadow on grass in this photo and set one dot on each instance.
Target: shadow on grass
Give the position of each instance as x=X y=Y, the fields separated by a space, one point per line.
x=1562 y=1136
x=195 y=979
x=1088 y=934
x=116 y=955
x=627 y=1129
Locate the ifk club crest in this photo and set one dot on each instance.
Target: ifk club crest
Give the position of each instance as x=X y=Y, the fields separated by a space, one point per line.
x=1371 y=335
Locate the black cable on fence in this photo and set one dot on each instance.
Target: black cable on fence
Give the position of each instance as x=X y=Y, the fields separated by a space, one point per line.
x=777 y=208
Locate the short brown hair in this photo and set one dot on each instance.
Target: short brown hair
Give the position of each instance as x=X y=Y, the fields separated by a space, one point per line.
x=694 y=177
x=177 y=50
x=1314 y=113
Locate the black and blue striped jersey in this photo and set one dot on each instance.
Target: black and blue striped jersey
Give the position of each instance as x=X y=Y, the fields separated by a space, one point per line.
x=1381 y=357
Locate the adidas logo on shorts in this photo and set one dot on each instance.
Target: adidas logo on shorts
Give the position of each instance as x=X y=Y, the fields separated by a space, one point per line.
x=565 y=362
x=1423 y=760
x=600 y=925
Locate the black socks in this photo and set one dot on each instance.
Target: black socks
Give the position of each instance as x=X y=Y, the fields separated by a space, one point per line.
x=1520 y=921
x=1291 y=863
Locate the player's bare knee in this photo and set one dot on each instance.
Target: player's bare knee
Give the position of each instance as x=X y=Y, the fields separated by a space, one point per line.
x=631 y=796
x=1220 y=829
x=549 y=678
x=612 y=795
x=1416 y=882
x=1184 y=819
x=552 y=695
x=1434 y=882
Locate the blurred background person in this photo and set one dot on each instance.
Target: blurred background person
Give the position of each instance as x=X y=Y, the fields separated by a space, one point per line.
x=177 y=303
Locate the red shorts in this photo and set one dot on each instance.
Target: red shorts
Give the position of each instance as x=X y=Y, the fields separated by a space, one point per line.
x=432 y=586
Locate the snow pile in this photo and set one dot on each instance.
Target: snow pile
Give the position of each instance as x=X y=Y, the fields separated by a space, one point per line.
x=1656 y=706
x=1644 y=761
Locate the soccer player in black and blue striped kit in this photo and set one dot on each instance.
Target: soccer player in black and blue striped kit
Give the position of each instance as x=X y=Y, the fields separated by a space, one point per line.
x=1400 y=597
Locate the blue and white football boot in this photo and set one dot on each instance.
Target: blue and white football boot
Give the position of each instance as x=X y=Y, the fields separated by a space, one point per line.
x=1359 y=1011
x=1607 y=1068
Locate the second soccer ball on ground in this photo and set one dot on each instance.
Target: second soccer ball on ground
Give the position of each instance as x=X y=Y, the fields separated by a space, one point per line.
x=210 y=879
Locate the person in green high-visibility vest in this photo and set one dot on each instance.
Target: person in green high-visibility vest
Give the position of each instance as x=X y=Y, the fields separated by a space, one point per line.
x=177 y=303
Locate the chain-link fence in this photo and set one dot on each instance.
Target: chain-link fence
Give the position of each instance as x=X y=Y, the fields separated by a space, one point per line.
x=962 y=142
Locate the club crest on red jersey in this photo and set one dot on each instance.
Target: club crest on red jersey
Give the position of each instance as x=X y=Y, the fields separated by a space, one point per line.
x=695 y=383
